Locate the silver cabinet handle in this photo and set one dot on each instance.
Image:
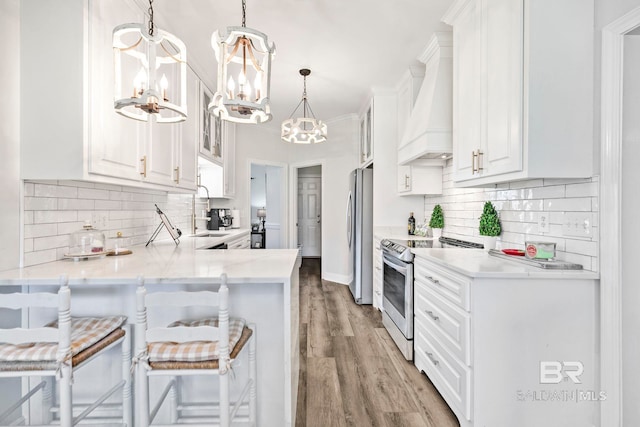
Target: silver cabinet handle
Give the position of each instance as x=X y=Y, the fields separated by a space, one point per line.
x=406 y=182
x=431 y=279
x=480 y=161
x=431 y=358
x=433 y=316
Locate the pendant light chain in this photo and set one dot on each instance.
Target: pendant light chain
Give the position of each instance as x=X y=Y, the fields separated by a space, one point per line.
x=244 y=13
x=151 y=28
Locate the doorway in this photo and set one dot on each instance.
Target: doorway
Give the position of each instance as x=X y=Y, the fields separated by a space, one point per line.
x=309 y=217
x=267 y=205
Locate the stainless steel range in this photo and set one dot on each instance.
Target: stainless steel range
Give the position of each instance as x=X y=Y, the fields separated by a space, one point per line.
x=397 y=286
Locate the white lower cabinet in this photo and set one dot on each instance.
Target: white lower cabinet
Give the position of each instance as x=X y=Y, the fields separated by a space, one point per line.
x=377 y=273
x=241 y=242
x=482 y=342
x=419 y=180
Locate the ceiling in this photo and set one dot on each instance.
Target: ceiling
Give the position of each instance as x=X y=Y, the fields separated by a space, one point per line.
x=351 y=46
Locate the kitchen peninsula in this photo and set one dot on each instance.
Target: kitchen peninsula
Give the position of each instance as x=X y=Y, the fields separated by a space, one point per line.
x=263 y=289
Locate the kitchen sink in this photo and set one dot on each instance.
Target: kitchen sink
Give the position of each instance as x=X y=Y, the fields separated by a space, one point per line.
x=212 y=235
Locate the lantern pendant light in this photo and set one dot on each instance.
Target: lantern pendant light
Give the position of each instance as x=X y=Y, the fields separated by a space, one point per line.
x=150 y=73
x=244 y=74
x=304 y=130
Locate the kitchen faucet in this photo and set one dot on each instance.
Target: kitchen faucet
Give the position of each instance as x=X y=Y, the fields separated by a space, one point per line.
x=194 y=227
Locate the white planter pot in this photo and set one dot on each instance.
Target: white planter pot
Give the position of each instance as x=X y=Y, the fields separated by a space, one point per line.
x=489 y=242
x=437 y=233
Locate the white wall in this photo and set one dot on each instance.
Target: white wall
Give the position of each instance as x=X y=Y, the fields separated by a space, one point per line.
x=10 y=133
x=389 y=209
x=9 y=164
x=340 y=156
x=631 y=230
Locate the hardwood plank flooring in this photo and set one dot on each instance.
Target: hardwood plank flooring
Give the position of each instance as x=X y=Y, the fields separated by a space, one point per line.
x=351 y=372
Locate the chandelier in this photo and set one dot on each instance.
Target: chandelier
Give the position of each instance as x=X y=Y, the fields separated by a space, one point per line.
x=244 y=73
x=304 y=130
x=150 y=73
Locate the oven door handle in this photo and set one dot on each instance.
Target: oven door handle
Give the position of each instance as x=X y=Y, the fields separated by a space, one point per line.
x=397 y=267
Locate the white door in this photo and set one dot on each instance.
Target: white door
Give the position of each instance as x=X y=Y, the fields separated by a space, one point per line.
x=309 y=219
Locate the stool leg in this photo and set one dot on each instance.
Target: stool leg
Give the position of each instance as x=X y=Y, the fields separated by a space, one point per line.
x=66 y=401
x=224 y=400
x=48 y=394
x=173 y=400
x=253 y=377
x=127 y=411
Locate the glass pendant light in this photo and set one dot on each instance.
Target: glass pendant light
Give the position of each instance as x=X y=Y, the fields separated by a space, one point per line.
x=304 y=130
x=244 y=74
x=150 y=73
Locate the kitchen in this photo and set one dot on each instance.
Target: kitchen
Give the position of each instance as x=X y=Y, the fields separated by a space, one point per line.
x=520 y=202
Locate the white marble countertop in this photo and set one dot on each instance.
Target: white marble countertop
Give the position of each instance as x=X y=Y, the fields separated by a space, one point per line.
x=478 y=263
x=162 y=262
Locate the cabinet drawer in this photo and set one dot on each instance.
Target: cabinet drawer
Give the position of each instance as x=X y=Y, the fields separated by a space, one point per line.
x=450 y=376
x=239 y=244
x=448 y=323
x=451 y=286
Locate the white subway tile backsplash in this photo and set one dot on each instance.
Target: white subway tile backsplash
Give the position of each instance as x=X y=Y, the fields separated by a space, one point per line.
x=40 y=257
x=551 y=192
x=586 y=189
x=70 y=227
x=108 y=204
x=28 y=217
x=579 y=204
x=584 y=247
x=76 y=204
x=40 y=230
x=40 y=203
x=29 y=189
x=55 y=209
x=520 y=204
x=52 y=242
x=92 y=193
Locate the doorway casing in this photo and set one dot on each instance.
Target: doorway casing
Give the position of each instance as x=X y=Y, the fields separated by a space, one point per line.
x=611 y=215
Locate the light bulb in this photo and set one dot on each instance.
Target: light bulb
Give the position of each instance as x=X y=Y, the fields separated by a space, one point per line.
x=139 y=82
x=164 y=84
x=257 y=83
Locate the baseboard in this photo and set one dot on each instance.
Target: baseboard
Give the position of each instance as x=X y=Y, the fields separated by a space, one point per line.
x=343 y=279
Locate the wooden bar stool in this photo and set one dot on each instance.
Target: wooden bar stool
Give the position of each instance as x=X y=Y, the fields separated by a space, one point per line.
x=56 y=351
x=207 y=346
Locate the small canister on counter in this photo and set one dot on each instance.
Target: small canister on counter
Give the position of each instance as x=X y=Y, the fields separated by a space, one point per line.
x=540 y=250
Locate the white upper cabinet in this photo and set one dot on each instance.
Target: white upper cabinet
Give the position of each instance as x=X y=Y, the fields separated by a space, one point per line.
x=523 y=90
x=220 y=179
x=67 y=58
x=186 y=169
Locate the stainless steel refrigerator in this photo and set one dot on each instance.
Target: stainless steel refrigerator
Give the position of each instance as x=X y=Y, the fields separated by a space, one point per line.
x=360 y=235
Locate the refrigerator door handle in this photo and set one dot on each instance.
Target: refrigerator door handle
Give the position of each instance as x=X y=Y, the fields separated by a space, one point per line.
x=349 y=218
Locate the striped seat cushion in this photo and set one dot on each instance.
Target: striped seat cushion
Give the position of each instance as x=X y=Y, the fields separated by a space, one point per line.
x=196 y=351
x=85 y=332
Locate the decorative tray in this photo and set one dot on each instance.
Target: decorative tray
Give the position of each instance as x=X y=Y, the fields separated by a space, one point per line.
x=77 y=257
x=540 y=263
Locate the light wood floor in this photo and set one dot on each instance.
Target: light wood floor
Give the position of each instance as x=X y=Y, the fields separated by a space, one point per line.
x=351 y=372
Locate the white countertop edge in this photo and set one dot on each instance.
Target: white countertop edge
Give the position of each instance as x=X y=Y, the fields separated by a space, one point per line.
x=478 y=263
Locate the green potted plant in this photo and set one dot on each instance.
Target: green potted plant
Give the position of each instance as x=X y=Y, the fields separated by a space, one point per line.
x=489 y=225
x=437 y=221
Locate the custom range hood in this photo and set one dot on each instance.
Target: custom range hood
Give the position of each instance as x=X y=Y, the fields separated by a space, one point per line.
x=428 y=133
